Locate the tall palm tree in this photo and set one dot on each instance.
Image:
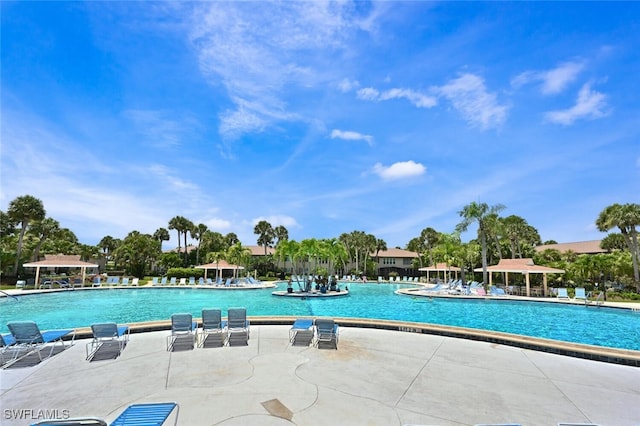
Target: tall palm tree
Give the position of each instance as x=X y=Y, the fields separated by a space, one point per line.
x=625 y=217
x=182 y=225
x=44 y=229
x=161 y=234
x=175 y=223
x=479 y=212
x=381 y=245
x=265 y=233
x=197 y=232
x=23 y=210
x=281 y=234
x=429 y=238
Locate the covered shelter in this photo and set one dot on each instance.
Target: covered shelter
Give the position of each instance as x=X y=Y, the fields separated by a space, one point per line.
x=219 y=266
x=60 y=261
x=441 y=267
x=522 y=266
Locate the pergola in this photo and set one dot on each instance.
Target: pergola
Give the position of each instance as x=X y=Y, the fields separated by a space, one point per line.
x=60 y=261
x=522 y=266
x=219 y=266
x=440 y=267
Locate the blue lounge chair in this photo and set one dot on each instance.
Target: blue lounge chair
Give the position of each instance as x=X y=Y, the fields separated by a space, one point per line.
x=580 y=294
x=163 y=281
x=212 y=326
x=6 y=344
x=154 y=281
x=237 y=326
x=326 y=332
x=29 y=337
x=182 y=325
x=152 y=414
x=172 y=281
x=301 y=332
x=562 y=294
x=108 y=333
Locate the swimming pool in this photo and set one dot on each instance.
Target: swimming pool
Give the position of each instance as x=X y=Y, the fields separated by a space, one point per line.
x=608 y=327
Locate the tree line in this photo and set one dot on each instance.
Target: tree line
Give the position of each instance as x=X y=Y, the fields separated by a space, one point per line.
x=27 y=233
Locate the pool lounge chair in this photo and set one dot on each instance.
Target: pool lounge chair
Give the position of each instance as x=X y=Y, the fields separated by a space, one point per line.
x=183 y=327
x=326 y=331
x=237 y=327
x=6 y=345
x=154 y=281
x=301 y=332
x=172 y=281
x=151 y=414
x=192 y=280
x=183 y=281
x=109 y=335
x=580 y=294
x=213 y=328
x=562 y=294
x=29 y=338
x=135 y=282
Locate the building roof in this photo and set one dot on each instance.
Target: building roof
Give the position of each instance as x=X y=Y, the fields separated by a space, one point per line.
x=580 y=247
x=521 y=266
x=259 y=250
x=396 y=252
x=61 y=261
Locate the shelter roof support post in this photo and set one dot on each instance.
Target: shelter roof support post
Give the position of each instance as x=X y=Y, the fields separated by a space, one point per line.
x=526 y=279
x=544 y=284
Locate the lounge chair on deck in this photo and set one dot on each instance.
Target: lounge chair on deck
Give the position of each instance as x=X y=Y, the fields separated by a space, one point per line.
x=172 y=281
x=152 y=414
x=301 y=332
x=125 y=281
x=154 y=281
x=237 y=326
x=562 y=294
x=192 y=280
x=6 y=344
x=135 y=282
x=183 y=281
x=107 y=334
x=96 y=282
x=580 y=294
x=326 y=332
x=163 y=281
x=182 y=325
x=29 y=338
x=212 y=326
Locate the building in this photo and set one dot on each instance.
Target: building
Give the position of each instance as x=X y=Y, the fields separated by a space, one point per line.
x=581 y=247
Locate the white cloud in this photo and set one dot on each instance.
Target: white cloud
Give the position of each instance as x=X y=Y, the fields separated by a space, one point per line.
x=171 y=181
x=418 y=99
x=259 y=52
x=217 y=225
x=552 y=81
x=347 y=85
x=468 y=94
x=589 y=105
x=399 y=170
x=351 y=136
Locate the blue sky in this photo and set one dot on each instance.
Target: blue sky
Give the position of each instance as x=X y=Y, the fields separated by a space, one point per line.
x=384 y=117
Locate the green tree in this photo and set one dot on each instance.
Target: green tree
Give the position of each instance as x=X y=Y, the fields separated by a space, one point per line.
x=44 y=229
x=613 y=241
x=22 y=211
x=281 y=234
x=182 y=225
x=265 y=233
x=161 y=234
x=625 y=217
x=197 y=232
x=137 y=252
x=231 y=239
x=479 y=212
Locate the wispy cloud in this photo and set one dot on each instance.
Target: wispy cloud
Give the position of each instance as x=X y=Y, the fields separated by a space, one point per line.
x=278 y=220
x=552 y=81
x=256 y=53
x=399 y=170
x=171 y=181
x=589 y=105
x=468 y=94
x=349 y=135
x=160 y=128
x=418 y=99
x=345 y=85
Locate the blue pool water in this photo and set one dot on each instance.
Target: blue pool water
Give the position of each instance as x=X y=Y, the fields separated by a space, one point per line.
x=609 y=327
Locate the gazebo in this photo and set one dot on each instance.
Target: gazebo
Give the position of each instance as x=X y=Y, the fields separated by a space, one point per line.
x=219 y=266
x=522 y=266
x=60 y=261
x=441 y=267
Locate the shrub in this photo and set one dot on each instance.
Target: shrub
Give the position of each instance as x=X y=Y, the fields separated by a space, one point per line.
x=185 y=272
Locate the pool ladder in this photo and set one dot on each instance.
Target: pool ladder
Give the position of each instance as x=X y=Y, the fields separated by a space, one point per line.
x=599 y=301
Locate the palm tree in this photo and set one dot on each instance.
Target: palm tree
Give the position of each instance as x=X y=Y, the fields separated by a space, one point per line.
x=24 y=210
x=161 y=234
x=281 y=234
x=429 y=238
x=197 y=232
x=265 y=233
x=231 y=238
x=175 y=223
x=479 y=212
x=182 y=225
x=44 y=229
x=625 y=217
x=381 y=245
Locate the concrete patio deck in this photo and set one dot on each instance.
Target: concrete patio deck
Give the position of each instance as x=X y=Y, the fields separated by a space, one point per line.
x=376 y=377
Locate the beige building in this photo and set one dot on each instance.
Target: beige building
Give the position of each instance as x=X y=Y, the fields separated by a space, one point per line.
x=581 y=247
